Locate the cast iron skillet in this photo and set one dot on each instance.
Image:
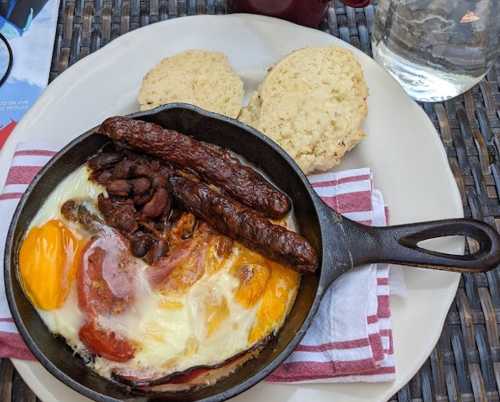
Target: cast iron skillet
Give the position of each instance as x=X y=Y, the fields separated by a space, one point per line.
x=341 y=244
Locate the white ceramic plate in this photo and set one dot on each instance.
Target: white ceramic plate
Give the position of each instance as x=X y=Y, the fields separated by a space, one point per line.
x=402 y=147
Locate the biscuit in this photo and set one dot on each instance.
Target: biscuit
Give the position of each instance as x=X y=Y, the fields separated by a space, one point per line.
x=312 y=103
x=199 y=77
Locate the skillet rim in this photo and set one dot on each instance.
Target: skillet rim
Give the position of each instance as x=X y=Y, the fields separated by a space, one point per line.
x=10 y=266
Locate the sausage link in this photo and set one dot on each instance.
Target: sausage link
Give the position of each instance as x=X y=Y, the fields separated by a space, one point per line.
x=212 y=163
x=243 y=224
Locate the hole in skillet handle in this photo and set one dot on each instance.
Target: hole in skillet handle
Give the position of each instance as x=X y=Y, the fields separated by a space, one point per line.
x=445 y=243
x=399 y=245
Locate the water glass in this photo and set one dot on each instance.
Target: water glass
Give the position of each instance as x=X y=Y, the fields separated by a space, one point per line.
x=436 y=49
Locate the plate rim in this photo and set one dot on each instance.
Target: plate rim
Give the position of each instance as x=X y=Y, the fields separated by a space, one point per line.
x=24 y=367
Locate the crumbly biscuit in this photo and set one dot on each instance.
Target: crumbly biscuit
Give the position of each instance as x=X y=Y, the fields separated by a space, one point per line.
x=313 y=103
x=250 y=113
x=200 y=77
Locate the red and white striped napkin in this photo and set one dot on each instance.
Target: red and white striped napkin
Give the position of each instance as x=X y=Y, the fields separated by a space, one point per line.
x=349 y=340
x=27 y=161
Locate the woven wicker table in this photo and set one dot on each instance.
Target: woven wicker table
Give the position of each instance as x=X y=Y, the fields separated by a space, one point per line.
x=465 y=365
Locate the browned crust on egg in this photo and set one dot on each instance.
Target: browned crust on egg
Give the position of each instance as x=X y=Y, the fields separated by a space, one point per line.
x=148 y=382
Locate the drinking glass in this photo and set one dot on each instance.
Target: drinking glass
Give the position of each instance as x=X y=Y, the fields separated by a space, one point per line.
x=436 y=49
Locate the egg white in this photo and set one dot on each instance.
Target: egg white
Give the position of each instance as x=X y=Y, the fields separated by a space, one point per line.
x=169 y=340
x=164 y=334
x=76 y=186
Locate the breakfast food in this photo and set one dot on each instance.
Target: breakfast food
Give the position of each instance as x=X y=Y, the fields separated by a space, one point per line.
x=312 y=103
x=199 y=77
x=219 y=167
x=242 y=223
x=168 y=262
x=157 y=279
x=213 y=163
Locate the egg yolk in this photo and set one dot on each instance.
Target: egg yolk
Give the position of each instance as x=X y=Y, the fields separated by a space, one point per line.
x=48 y=259
x=253 y=280
x=252 y=271
x=271 y=312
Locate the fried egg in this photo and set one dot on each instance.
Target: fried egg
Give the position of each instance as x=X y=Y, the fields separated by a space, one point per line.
x=206 y=310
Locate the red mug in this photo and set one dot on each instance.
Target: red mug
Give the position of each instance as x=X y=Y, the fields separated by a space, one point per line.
x=304 y=12
x=356 y=3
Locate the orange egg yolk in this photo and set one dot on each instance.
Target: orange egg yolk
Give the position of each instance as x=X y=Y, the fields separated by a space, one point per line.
x=253 y=280
x=48 y=259
x=281 y=285
x=267 y=282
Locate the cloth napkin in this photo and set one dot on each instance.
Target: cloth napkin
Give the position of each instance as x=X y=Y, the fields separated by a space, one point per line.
x=350 y=339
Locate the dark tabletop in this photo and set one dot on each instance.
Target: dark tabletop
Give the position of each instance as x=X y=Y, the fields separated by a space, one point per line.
x=465 y=365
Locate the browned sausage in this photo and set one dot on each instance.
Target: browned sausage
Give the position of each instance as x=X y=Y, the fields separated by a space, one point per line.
x=243 y=224
x=213 y=163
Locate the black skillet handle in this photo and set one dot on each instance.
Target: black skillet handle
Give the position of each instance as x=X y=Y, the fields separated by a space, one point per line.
x=399 y=245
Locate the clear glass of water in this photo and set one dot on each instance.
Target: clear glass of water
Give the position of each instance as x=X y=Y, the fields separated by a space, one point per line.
x=436 y=49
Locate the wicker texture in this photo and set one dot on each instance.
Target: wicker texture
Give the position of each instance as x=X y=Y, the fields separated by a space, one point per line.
x=465 y=365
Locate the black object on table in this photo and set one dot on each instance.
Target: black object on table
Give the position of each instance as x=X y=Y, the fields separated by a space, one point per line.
x=465 y=365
